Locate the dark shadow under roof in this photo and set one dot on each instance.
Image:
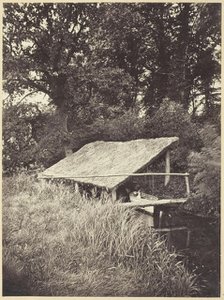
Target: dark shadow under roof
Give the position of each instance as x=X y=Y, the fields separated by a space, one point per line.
x=104 y=158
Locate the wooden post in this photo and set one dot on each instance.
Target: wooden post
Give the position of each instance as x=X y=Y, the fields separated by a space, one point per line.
x=150 y=220
x=149 y=180
x=153 y=184
x=94 y=192
x=68 y=150
x=114 y=194
x=169 y=239
x=156 y=217
x=167 y=160
x=188 y=238
x=160 y=218
x=187 y=185
x=76 y=188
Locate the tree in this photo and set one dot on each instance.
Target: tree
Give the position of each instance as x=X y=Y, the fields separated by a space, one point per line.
x=196 y=32
x=207 y=68
x=41 y=43
x=186 y=36
x=47 y=48
x=164 y=48
x=137 y=43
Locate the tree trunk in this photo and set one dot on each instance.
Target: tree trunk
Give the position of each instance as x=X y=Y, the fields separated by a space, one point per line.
x=184 y=43
x=63 y=120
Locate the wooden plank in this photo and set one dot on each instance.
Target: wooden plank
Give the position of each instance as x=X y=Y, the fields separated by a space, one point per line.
x=167 y=168
x=145 y=203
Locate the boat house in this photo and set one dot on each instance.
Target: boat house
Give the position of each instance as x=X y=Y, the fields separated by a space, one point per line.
x=108 y=166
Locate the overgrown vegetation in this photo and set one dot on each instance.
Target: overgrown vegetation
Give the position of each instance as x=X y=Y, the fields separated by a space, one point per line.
x=55 y=243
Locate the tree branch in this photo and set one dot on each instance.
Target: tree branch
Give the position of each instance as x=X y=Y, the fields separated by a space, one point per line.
x=71 y=52
x=33 y=92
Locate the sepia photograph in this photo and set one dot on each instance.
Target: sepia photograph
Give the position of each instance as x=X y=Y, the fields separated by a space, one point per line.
x=111 y=149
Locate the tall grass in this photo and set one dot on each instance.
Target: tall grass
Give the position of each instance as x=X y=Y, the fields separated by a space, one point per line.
x=55 y=243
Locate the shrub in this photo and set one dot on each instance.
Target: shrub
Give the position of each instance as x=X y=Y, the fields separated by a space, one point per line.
x=171 y=119
x=73 y=247
x=206 y=167
x=22 y=129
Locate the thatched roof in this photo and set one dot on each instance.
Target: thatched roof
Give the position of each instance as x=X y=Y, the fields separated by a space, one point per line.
x=104 y=158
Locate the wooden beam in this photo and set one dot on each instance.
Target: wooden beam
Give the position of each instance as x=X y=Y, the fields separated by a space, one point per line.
x=167 y=167
x=43 y=176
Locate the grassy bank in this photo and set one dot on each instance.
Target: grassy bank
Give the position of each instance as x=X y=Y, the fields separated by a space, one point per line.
x=55 y=243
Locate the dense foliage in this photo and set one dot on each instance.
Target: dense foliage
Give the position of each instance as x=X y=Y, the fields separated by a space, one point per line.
x=23 y=127
x=206 y=166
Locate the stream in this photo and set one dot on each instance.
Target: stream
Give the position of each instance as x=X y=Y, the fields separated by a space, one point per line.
x=203 y=253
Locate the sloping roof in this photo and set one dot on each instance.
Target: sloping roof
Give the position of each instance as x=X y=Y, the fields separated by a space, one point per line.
x=103 y=158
